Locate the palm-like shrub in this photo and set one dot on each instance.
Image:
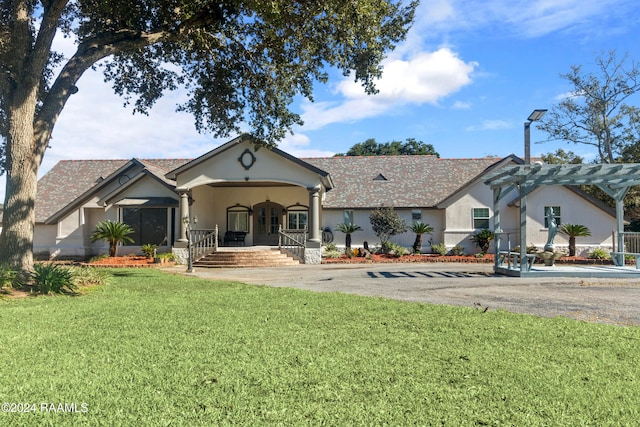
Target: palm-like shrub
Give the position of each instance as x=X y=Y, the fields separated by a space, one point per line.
x=113 y=232
x=347 y=229
x=8 y=277
x=52 y=278
x=483 y=239
x=419 y=228
x=573 y=231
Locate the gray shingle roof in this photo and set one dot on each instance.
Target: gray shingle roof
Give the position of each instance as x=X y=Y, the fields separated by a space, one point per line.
x=360 y=182
x=411 y=181
x=70 y=179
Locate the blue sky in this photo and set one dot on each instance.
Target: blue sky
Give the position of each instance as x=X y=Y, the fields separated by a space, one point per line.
x=465 y=80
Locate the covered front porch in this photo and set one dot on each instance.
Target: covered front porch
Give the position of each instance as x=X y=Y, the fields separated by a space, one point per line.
x=243 y=195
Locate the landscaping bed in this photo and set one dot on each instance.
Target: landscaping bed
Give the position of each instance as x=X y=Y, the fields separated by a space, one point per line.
x=136 y=261
x=452 y=258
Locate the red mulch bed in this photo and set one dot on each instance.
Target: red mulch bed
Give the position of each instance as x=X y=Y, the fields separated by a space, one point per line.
x=438 y=258
x=407 y=259
x=127 y=262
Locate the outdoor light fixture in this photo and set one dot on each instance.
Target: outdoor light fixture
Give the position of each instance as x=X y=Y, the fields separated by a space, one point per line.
x=533 y=117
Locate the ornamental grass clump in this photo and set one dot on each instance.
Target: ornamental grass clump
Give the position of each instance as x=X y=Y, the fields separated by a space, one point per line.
x=8 y=277
x=52 y=279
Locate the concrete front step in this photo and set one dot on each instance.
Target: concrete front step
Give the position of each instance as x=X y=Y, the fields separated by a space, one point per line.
x=246 y=258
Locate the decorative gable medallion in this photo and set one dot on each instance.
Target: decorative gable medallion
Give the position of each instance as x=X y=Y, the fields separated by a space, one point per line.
x=247 y=159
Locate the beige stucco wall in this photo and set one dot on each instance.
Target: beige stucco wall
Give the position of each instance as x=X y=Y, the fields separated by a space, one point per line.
x=44 y=237
x=225 y=167
x=458 y=214
x=574 y=209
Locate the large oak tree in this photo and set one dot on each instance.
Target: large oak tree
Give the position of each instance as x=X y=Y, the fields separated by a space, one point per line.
x=241 y=61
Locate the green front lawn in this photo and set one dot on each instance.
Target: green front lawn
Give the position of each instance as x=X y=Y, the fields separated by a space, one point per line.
x=156 y=349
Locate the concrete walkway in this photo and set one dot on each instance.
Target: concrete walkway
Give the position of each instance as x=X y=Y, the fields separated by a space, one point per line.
x=604 y=300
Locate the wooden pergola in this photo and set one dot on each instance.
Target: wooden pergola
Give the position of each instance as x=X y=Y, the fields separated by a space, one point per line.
x=613 y=179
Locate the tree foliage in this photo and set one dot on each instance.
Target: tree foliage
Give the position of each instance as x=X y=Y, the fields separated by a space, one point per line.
x=385 y=222
x=242 y=62
x=561 y=157
x=596 y=113
x=394 y=148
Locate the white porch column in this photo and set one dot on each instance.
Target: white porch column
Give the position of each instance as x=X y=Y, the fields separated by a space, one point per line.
x=184 y=212
x=313 y=245
x=314 y=215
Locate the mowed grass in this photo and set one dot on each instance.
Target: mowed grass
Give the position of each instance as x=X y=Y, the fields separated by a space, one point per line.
x=156 y=349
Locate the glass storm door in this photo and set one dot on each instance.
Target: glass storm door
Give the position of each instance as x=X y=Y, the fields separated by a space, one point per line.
x=266 y=217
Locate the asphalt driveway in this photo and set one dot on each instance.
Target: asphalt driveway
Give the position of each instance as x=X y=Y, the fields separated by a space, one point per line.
x=614 y=301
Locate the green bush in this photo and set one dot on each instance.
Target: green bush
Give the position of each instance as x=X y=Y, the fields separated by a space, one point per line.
x=439 y=248
x=333 y=254
x=8 y=277
x=483 y=239
x=149 y=250
x=52 y=279
x=394 y=248
x=457 y=250
x=330 y=247
x=599 y=253
x=169 y=256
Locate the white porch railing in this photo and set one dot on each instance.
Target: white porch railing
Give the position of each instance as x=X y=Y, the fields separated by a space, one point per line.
x=292 y=242
x=203 y=242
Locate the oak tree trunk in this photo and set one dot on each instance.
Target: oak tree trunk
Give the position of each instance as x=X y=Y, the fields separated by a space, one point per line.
x=23 y=161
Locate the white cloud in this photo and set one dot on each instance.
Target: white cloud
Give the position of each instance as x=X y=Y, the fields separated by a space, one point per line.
x=425 y=78
x=490 y=125
x=461 y=105
x=523 y=18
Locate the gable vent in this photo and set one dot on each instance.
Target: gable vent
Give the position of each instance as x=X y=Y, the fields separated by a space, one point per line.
x=380 y=177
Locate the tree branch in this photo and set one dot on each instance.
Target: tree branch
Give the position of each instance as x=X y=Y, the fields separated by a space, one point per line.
x=93 y=49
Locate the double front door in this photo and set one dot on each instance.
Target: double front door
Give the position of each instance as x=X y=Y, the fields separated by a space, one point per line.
x=267 y=217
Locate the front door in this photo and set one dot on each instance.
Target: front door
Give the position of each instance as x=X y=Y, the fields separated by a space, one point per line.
x=266 y=223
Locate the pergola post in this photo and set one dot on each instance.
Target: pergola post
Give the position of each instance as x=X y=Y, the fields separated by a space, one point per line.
x=496 y=226
x=523 y=227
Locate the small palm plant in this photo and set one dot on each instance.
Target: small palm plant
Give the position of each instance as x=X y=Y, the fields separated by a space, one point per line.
x=347 y=229
x=113 y=232
x=483 y=240
x=573 y=231
x=419 y=228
